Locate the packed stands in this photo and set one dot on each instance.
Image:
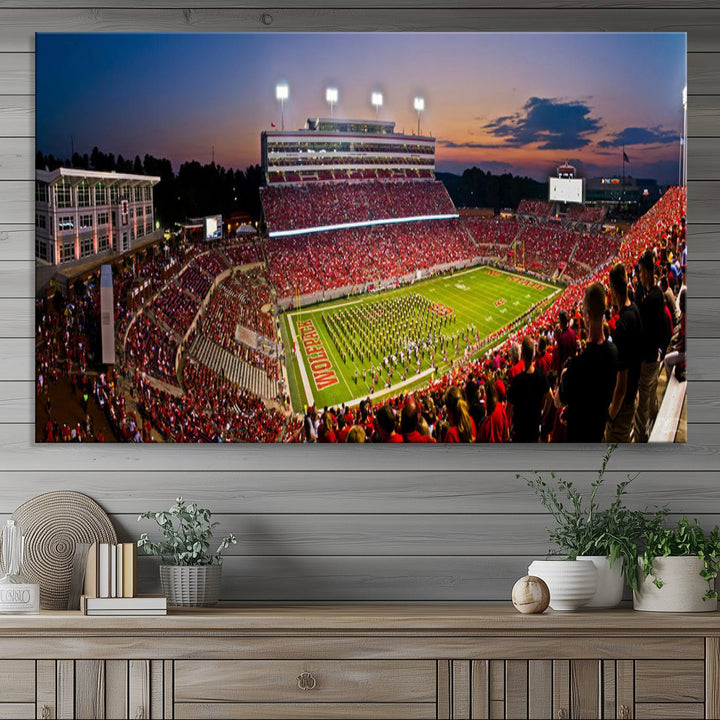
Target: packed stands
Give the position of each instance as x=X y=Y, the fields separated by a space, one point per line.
x=313 y=262
x=536 y=208
x=318 y=204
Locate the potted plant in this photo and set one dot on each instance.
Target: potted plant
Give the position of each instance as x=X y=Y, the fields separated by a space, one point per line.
x=677 y=568
x=607 y=537
x=190 y=574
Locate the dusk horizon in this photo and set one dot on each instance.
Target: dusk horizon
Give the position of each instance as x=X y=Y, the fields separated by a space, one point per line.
x=488 y=100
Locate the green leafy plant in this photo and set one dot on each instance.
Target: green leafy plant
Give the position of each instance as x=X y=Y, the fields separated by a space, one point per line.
x=686 y=539
x=584 y=528
x=187 y=531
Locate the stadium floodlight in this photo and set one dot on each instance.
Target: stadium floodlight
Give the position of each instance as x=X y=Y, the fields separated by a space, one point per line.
x=282 y=92
x=377 y=101
x=331 y=95
x=419 y=105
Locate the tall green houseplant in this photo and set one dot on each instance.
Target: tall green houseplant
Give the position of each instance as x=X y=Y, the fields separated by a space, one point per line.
x=583 y=527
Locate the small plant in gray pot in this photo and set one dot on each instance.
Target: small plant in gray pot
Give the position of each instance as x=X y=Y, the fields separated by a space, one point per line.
x=189 y=574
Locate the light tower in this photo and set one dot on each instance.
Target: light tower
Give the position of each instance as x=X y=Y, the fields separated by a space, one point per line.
x=331 y=95
x=419 y=106
x=282 y=93
x=377 y=101
x=684 y=141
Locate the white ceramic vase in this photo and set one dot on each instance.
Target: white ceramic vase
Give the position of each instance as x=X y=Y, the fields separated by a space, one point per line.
x=571 y=582
x=610 y=582
x=682 y=589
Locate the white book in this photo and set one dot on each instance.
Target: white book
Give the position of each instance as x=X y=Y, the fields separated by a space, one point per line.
x=113 y=571
x=104 y=570
x=125 y=612
x=119 y=570
x=139 y=602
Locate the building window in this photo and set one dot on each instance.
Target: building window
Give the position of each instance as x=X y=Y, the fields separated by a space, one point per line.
x=102 y=218
x=41 y=220
x=100 y=194
x=114 y=195
x=139 y=211
x=114 y=218
x=83 y=195
x=146 y=193
x=41 y=192
x=148 y=228
x=66 y=222
x=67 y=251
x=86 y=221
x=148 y=209
x=40 y=249
x=103 y=243
x=86 y=246
x=63 y=196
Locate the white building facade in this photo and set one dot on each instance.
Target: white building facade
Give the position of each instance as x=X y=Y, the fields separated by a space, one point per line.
x=80 y=214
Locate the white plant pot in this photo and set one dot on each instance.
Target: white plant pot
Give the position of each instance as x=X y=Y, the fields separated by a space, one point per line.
x=682 y=589
x=610 y=582
x=571 y=582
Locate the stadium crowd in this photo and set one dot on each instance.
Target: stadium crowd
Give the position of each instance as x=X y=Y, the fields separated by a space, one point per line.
x=585 y=370
x=317 y=204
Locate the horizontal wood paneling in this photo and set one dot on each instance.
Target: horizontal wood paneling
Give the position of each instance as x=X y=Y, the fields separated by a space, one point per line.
x=17 y=115
x=254 y=493
x=704 y=25
x=17 y=73
x=396 y=10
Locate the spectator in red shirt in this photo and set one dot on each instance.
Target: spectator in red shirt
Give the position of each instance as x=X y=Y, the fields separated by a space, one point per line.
x=462 y=426
x=495 y=427
x=409 y=423
x=385 y=425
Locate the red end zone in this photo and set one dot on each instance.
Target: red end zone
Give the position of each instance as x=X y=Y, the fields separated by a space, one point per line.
x=322 y=370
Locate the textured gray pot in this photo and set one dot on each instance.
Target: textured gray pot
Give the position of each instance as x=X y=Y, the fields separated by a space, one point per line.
x=191 y=585
x=682 y=589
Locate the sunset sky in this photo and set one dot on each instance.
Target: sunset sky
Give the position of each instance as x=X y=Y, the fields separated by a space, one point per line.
x=502 y=102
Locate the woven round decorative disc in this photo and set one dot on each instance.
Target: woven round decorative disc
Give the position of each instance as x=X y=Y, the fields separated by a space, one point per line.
x=53 y=523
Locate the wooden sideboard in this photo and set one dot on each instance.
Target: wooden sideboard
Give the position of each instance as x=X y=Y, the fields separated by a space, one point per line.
x=361 y=662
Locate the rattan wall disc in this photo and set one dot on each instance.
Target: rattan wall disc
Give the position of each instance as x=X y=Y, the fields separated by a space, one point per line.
x=52 y=524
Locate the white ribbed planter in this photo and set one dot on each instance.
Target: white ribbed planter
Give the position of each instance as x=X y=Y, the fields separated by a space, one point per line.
x=571 y=582
x=190 y=585
x=610 y=582
x=682 y=589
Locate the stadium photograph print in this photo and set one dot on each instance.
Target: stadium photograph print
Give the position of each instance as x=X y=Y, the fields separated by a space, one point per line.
x=377 y=238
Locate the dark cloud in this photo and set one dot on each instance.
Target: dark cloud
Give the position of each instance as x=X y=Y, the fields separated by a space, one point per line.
x=640 y=136
x=554 y=124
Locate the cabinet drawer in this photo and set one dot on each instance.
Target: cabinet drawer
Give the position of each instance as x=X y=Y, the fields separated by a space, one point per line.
x=17 y=711
x=305 y=711
x=325 y=681
x=669 y=711
x=17 y=681
x=671 y=681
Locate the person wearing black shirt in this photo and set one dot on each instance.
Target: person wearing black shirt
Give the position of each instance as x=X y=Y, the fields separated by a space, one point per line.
x=587 y=383
x=652 y=313
x=527 y=398
x=627 y=337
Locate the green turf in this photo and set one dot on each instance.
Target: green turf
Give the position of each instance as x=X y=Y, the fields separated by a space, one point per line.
x=471 y=294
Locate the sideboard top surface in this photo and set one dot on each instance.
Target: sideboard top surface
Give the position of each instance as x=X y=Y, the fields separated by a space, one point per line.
x=369 y=619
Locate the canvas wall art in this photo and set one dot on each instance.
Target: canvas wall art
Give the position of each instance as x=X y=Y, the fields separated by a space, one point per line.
x=361 y=237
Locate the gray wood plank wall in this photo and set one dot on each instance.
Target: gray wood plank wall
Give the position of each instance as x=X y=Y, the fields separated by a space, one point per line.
x=350 y=524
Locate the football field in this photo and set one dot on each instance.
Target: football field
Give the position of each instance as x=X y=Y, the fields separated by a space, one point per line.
x=394 y=341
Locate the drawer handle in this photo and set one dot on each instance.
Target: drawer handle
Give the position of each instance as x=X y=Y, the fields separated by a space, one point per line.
x=306 y=681
x=562 y=715
x=45 y=712
x=140 y=712
x=624 y=713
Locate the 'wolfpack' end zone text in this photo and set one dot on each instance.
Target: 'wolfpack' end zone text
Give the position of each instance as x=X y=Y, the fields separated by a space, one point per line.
x=322 y=371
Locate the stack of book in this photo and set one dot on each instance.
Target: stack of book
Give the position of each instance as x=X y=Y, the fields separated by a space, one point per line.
x=111 y=583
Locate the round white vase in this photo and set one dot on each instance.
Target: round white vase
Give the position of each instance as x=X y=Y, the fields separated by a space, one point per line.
x=571 y=582
x=682 y=589
x=610 y=582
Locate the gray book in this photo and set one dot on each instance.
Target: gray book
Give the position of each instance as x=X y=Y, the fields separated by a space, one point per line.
x=77 y=581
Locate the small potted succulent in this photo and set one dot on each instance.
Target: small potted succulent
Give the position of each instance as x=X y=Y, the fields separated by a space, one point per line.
x=606 y=537
x=677 y=568
x=190 y=574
